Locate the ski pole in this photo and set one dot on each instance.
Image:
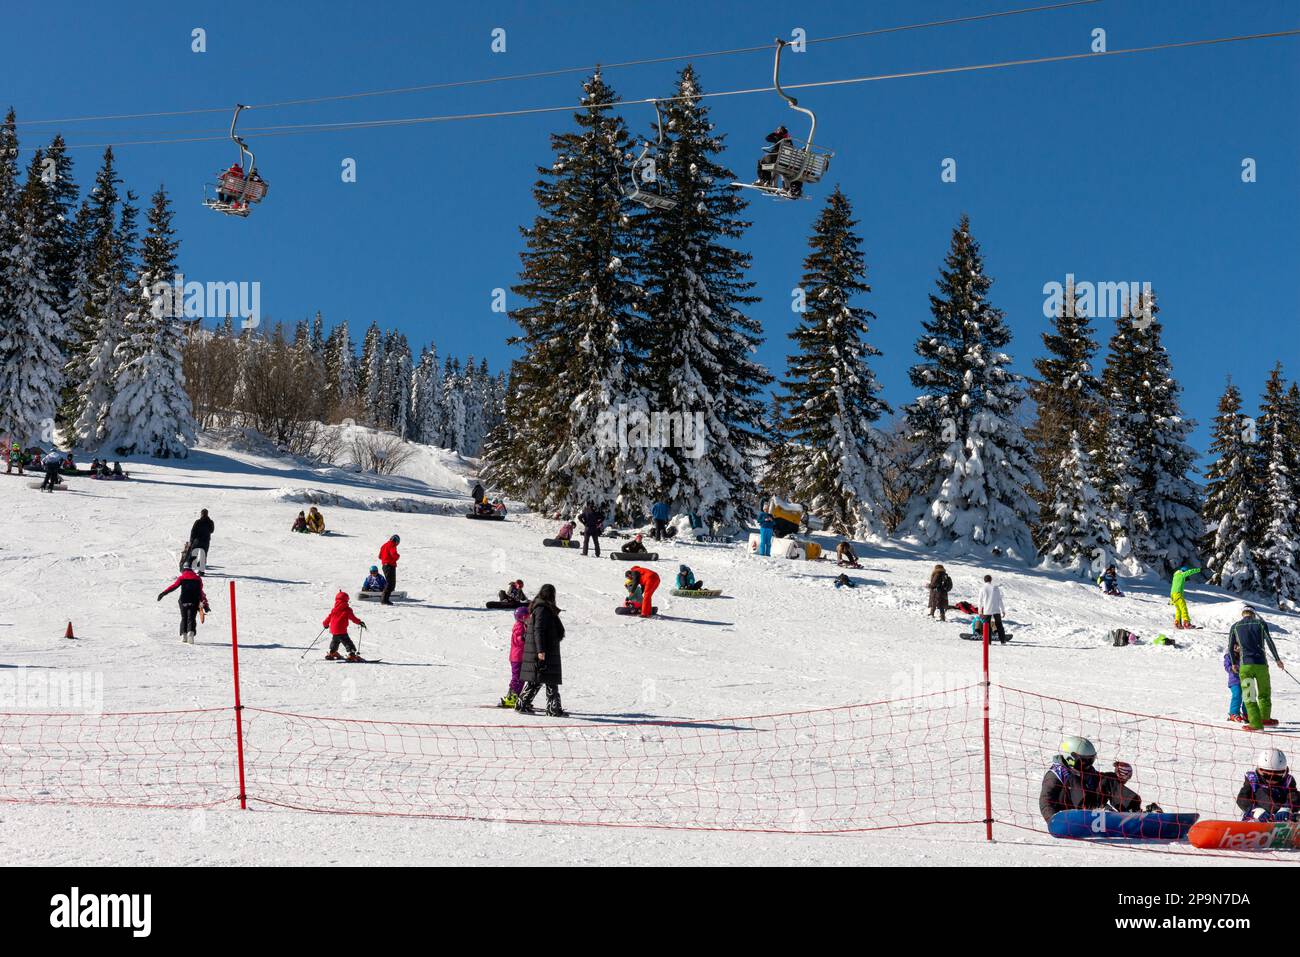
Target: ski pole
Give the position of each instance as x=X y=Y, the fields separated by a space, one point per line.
x=1287 y=672
x=360 y=635
x=312 y=645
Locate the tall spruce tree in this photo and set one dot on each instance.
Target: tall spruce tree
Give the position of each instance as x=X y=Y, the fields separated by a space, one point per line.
x=370 y=375
x=973 y=459
x=833 y=454
x=1156 y=502
x=1231 y=488
x=701 y=347
x=1077 y=536
x=149 y=410
x=1277 y=491
x=581 y=333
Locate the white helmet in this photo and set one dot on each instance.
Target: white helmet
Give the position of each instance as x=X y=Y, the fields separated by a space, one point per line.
x=1271 y=759
x=1078 y=751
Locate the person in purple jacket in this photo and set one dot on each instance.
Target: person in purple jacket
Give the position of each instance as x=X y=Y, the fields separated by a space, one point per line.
x=1236 y=709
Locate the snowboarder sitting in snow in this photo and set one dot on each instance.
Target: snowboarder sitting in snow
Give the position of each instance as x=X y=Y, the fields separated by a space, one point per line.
x=191 y=599
x=68 y=466
x=117 y=471
x=374 y=581
x=300 y=523
x=845 y=556
x=498 y=507
x=641 y=584
x=1073 y=784
x=337 y=622
x=1269 y=793
x=315 y=521
x=516 y=658
x=514 y=592
x=565 y=534
x=686 y=580
x=1108 y=581
x=636 y=546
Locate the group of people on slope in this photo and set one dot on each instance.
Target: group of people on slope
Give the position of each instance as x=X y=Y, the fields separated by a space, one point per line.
x=1250 y=685
x=535 y=661
x=481 y=504
x=193 y=565
x=989 y=607
x=1073 y=783
x=311 y=521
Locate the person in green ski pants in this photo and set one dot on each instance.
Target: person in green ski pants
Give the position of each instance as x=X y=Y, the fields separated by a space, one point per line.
x=1181 y=618
x=1249 y=639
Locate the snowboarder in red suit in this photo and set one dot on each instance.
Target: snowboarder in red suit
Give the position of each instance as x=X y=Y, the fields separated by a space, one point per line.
x=388 y=559
x=648 y=581
x=337 y=622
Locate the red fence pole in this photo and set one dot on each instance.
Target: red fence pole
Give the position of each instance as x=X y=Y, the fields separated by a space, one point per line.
x=988 y=758
x=239 y=707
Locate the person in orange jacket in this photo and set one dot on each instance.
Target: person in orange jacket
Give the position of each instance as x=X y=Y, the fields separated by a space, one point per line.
x=337 y=622
x=645 y=581
x=388 y=559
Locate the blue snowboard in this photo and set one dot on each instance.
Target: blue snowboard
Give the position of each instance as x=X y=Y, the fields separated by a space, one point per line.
x=1119 y=824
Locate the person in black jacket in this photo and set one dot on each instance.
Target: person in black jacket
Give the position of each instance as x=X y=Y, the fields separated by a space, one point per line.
x=593 y=522
x=478 y=494
x=541 y=662
x=1072 y=783
x=201 y=540
x=940 y=585
x=191 y=599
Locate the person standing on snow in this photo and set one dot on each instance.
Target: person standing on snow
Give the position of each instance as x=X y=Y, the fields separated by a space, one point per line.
x=593 y=522
x=511 y=697
x=766 y=526
x=992 y=606
x=191 y=599
x=52 y=462
x=940 y=586
x=388 y=559
x=1072 y=783
x=1176 y=597
x=1249 y=643
x=660 y=513
x=337 y=622
x=201 y=539
x=1269 y=793
x=541 y=661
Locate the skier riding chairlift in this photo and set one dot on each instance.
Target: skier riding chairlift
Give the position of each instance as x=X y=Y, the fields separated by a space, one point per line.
x=241 y=184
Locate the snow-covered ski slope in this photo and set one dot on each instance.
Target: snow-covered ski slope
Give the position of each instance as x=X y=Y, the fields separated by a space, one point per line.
x=781 y=640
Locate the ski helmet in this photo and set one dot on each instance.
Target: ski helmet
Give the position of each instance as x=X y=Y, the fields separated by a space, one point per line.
x=1271 y=760
x=374 y=568
x=1078 y=752
x=1247 y=610
x=396 y=539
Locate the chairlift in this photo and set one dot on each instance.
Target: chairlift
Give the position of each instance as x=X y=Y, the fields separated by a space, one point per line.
x=239 y=186
x=645 y=189
x=789 y=164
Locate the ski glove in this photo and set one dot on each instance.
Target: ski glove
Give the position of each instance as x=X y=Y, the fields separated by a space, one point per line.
x=1154 y=808
x=160 y=597
x=1123 y=771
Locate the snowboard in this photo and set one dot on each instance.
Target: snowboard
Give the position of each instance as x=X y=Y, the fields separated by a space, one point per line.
x=560 y=543
x=507 y=604
x=486 y=518
x=634 y=556
x=993 y=638
x=626 y=610
x=61 y=487
x=696 y=592
x=1244 y=835
x=1130 y=825
x=377 y=595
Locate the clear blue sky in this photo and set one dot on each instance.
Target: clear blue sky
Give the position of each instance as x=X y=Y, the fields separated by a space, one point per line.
x=1123 y=168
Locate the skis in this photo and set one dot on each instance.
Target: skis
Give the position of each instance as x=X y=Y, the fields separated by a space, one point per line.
x=358 y=661
x=696 y=592
x=1244 y=835
x=1127 y=825
x=634 y=556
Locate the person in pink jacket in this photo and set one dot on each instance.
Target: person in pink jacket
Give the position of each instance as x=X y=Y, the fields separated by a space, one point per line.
x=337 y=622
x=516 y=657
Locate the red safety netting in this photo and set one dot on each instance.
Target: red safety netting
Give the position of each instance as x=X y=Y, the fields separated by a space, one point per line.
x=143 y=759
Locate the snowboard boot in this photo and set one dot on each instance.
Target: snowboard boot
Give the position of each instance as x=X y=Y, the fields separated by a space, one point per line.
x=333 y=656
x=1270 y=722
x=508 y=701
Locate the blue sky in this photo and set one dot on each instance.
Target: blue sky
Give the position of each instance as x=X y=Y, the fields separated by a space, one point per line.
x=1115 y=169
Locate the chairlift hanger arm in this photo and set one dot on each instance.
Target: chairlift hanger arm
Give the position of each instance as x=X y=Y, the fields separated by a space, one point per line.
x=794 y=104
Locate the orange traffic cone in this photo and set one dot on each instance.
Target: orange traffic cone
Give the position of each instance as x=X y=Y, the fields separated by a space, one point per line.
x=68 y=633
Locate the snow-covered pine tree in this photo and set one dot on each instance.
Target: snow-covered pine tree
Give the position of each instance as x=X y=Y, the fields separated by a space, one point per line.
x=1077 y=539
x=1278 y=488
x=1231 y=489
x=452 y=401
x=426 y=407
x=1156 y=502
x=396 y=398
x=579 y=327
x=370 y=374
x=341 y=372
x=149 y=410
x=973 y=460
x=65 y=240
x=31 y=363
x=475 y=398
x=700 y=358
x=833 y=452
x=1068 y=405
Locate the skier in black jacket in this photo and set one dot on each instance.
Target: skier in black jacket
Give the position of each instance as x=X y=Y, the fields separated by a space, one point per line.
x=191 y=598
x=200 y=539
x=1073 y=784
x=593 y=522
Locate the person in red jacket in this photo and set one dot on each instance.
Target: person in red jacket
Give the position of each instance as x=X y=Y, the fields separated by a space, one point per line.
x=388 y=559
x=647 y=581
x=191 y=598
x=337 y=622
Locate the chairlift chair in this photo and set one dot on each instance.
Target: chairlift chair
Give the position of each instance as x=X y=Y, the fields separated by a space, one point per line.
x=232 y=194
x=637 y=189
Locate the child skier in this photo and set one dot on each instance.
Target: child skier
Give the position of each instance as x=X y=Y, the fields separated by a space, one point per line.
x=1269 y=793
x=1236 y=710
x=516 y=657
x=686 y=580
x=374 y=581
x=337 y=622
x=1176 y=597
x=191 y=599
